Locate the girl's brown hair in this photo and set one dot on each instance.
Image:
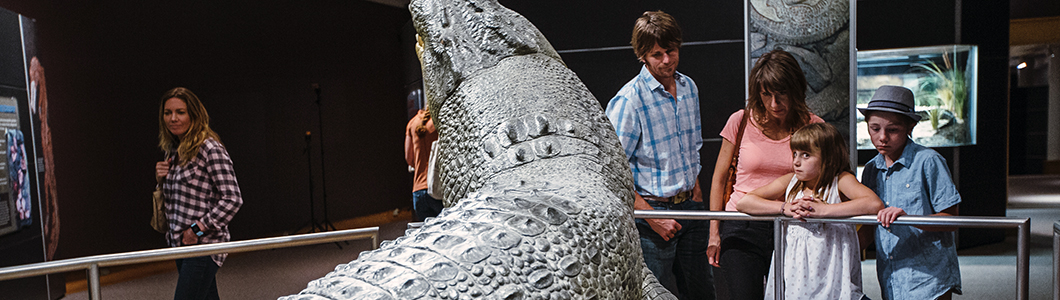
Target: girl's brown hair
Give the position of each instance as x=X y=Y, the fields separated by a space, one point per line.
x=188 y=147
x=824 y=140
x=778 y=72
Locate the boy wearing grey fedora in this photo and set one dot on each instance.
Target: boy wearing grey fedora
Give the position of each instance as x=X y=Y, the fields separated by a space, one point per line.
x=912 y=262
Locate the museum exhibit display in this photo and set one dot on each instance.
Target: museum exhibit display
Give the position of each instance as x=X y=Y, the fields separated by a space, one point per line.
x=943 y=81
x=29 y=219
x=538 y=190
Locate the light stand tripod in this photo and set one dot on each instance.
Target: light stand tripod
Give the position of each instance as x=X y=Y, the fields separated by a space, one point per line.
x=323 y=174
x=313 y=226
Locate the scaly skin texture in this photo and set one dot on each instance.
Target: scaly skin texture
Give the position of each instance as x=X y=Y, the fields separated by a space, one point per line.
x=538 y=192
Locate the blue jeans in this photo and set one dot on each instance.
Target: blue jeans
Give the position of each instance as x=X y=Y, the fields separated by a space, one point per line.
x=196 y=279
x=681 y=263
x=425 y=206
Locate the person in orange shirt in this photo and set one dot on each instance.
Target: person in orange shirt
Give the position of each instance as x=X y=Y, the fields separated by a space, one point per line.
x=419 y=134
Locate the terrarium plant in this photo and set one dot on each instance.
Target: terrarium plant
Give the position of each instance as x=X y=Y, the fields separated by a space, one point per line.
x=929 y=99
x=949 y=84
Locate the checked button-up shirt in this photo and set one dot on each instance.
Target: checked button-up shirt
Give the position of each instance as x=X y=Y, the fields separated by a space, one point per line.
x=660 y=133
x=203 y=191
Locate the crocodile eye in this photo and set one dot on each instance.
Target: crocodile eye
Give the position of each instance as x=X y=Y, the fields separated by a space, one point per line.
x=445 y=18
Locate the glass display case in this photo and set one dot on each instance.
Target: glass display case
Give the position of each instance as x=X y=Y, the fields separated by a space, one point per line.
x=943 y=81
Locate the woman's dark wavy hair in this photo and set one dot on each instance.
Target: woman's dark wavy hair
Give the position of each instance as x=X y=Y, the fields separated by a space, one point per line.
x=778 y=72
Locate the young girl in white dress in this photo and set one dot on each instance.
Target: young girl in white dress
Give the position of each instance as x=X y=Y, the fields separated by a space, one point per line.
x=821 y=260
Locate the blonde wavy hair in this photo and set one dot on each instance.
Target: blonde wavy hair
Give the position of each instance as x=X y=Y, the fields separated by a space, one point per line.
x=188 y=147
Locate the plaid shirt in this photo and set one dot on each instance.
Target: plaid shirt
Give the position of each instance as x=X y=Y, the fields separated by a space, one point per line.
x=203 y=191
x=660 y=133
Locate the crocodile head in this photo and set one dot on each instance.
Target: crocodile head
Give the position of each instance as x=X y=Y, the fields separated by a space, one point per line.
x=456 y=38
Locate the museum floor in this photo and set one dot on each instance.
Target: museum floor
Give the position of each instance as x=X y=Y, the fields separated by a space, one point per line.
x=988 y=272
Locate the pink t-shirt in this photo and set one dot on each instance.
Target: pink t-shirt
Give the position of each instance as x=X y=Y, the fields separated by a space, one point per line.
x=761 y=159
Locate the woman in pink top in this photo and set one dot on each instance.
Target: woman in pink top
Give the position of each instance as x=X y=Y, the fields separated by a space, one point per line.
x=777 y=107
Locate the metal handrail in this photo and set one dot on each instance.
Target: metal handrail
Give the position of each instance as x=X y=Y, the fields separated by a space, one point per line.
x=93 y=263
x=1056 y=260
x=1022 y=250
x=1022 y=224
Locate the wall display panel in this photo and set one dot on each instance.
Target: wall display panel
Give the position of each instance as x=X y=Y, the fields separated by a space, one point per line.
x=18 y=211
x=942 y=79
x=14 y=187
x=28 y=211
x=818 y=35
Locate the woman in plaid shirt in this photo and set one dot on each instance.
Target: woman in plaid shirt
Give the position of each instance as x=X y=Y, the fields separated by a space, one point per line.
x=199 y=186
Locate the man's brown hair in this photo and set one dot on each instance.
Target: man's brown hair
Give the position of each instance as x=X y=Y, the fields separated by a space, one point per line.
x=655 y=27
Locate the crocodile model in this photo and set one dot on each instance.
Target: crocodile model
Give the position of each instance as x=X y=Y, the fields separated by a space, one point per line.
x=537 y=189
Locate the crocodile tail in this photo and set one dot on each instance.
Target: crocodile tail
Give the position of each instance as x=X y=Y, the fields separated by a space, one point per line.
x=653 y=290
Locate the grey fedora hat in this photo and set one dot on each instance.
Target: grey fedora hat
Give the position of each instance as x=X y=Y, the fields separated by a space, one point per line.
x=893 y=99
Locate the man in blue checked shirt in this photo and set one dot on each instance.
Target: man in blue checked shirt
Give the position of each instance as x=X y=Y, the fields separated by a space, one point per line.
x=656 y=116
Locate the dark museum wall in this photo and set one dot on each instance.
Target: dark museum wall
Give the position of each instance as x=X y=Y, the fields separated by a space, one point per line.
x=593 y=39
x=252 y=64
x=980 y=171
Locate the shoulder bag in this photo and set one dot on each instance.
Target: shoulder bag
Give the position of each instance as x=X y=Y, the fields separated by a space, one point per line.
x=158 y=219
x=434 y=185
x=731 y=182
x=158 y=209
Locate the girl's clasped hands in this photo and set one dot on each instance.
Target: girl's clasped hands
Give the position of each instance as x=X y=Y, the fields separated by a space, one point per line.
x=803 y=207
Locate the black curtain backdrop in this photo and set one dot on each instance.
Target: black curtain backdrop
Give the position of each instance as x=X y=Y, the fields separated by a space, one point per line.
x=980 y=171
x=593 y=40
x=252 y=64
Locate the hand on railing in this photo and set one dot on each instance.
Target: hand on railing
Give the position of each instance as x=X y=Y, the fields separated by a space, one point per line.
x=887 y=216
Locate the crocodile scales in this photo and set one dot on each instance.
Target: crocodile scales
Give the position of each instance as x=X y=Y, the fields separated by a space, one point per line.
x=538 y=192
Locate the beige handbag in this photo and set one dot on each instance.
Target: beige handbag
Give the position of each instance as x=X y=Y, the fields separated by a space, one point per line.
x=158 y=209
x=158 y=219
x=434 y=184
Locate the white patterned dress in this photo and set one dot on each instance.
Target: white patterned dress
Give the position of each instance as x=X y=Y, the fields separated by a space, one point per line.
x=821 y=260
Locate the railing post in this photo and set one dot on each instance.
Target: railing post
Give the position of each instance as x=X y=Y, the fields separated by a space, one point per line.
x=778 y=258
x=1023 y=254
x=1056 y=260
x=93 y=282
